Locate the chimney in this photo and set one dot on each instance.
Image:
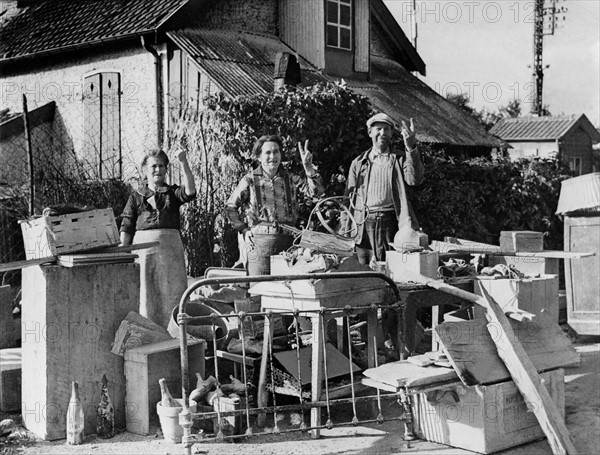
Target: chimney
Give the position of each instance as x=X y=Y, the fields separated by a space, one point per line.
x=287 y=70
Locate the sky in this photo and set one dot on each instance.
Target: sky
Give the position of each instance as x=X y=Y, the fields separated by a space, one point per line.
x=483 y=48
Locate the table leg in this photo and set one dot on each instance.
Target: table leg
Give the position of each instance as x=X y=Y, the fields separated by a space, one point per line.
x=371 y=344
x=317 y=373
x=408 y=319
x=262 y=397
x=342 y=336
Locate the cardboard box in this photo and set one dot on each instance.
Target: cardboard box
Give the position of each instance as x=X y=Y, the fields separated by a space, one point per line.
x=144 y=366
x=400 y=265
x=10 y=379
x=528 y=294
x=48 y=236
x=483 y=419
x=521 y=241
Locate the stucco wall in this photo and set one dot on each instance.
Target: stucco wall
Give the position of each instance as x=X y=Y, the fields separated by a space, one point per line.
x=257 y=16
x=62 y=82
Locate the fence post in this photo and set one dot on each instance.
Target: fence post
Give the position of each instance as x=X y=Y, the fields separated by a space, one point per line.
x=29 y=157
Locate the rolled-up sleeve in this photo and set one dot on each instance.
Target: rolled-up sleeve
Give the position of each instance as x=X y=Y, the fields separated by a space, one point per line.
x=233 y=206
x=183 y=196
x=413 y=169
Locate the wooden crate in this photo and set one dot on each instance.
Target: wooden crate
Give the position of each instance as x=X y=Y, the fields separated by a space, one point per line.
x=485 y=419
x=400 y=265
x=10 y=379
x=530 y=266
x=528 y=294
x=8 y=325
x=53 y=235
x=521 y=241
x=144 y=366
x=70 y=317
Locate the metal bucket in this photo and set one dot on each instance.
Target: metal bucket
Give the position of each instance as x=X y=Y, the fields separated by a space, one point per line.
x=202 y=328
x=265 y=245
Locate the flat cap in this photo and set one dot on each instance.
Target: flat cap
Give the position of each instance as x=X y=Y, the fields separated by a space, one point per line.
x=382 y=118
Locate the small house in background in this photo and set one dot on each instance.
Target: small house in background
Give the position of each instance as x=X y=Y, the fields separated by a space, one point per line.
x=572 y=138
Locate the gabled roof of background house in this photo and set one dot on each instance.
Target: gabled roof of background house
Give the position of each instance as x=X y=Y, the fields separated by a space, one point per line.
x=52 y=26
x=409 y=55
x=401 y=95
x=240 y=63
x=13 y=124
x=549 y=128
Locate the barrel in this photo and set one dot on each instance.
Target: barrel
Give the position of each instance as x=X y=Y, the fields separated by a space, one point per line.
x=262 y=248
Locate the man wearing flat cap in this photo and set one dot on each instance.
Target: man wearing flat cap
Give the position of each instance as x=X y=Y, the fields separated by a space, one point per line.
x=376 y=185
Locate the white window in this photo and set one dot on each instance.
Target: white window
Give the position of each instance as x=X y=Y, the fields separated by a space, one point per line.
x=102 y=125
x=339 y=24
x=575 y=164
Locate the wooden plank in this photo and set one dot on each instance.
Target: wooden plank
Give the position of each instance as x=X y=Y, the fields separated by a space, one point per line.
x=473 y=354
x=29 y=262
x=519 y=365
x=548 y=254
x=406 y=374
x=528 y=381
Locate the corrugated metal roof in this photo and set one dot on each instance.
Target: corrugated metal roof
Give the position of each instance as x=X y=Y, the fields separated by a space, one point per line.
x=55 y=25
x=240 y=63
x=403 y=96
x=547 y=128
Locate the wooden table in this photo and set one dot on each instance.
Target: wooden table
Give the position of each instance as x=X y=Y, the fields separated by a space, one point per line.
x=416 y=296
x=276 y=297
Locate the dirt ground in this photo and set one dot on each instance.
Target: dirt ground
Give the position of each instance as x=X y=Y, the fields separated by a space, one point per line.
x=582 y=410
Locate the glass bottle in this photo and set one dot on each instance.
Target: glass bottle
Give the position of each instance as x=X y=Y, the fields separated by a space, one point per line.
x=75 y=417
x=105 y=415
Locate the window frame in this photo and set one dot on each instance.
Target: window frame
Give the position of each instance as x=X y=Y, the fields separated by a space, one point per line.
x=576 y=164
x=338 y=25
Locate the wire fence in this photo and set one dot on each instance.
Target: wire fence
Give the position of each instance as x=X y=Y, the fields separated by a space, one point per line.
x=98 y=168
x=41 y=166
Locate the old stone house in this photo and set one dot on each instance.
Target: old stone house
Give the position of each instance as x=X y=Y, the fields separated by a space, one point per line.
x=115 y=70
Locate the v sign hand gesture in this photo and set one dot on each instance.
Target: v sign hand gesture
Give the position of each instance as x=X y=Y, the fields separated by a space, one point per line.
x=307 y=159
x=408 y=134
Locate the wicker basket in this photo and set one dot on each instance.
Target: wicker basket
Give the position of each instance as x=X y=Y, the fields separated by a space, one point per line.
x=48 y=236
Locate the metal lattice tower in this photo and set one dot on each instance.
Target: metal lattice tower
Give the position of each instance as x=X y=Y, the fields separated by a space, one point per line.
x=545 y=21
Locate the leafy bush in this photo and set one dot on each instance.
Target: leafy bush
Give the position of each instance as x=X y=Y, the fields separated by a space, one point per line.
x=473 y=199
x=477 y=199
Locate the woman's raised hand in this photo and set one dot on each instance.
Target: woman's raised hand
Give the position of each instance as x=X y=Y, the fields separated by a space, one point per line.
x=307 y=158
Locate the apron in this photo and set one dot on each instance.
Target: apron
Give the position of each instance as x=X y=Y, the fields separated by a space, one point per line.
x=163 y=277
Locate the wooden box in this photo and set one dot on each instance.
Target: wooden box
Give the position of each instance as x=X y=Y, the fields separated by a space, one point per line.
x=70 y=316
x=485 y=419
x=53 y=235
x=530 y=266
x=144 y=366
x=521 y=241
x=582 y=233
x=528 y=294
x=400 y=265
x=10 y=379
x=8 y=325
